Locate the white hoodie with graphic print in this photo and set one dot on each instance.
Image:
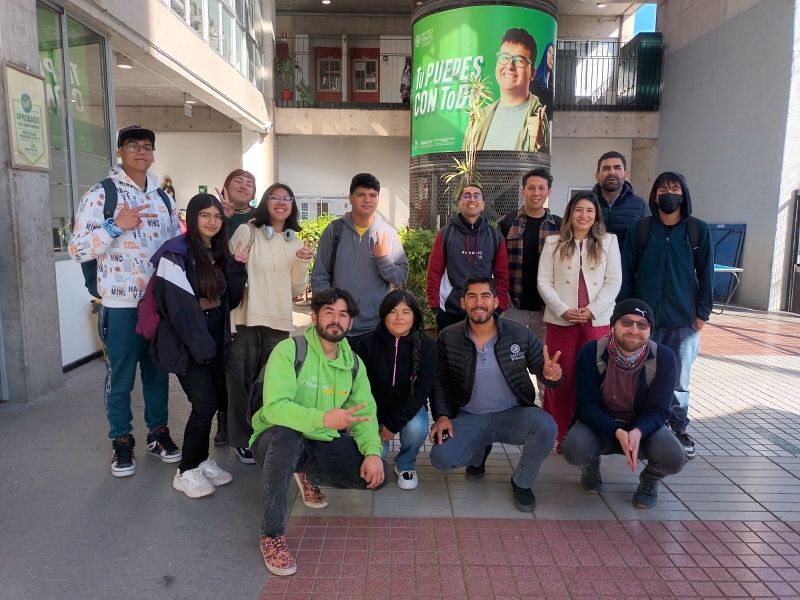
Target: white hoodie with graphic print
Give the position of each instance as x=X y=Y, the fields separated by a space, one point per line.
x=123 y=264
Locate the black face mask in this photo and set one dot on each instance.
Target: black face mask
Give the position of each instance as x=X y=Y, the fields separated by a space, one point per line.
x=669 y=203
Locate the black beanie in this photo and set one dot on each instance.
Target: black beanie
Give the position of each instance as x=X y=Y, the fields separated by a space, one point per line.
x=632 y=307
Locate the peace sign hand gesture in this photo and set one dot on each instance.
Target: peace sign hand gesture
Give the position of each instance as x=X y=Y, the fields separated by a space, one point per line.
x=241 y=253
x=551 y=369
x=227 y=206
x=381 y=246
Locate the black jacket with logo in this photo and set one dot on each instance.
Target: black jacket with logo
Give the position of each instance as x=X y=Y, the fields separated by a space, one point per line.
x=518 y=353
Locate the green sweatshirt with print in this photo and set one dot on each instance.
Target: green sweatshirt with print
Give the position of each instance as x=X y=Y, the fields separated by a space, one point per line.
x=300 y=402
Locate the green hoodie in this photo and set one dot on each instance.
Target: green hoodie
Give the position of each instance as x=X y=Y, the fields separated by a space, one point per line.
x=301 y=402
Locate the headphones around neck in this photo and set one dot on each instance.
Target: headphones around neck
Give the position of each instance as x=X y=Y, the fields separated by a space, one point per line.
x=269 y=231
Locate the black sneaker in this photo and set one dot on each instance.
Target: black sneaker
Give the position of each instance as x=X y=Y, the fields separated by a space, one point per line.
x=160 y=444
x=646 y=495
x=687 y=442
x=245 y=455
x=123 y=463
x=477 y=473
x=591 y=481
x=523 y=498
x=221 y=438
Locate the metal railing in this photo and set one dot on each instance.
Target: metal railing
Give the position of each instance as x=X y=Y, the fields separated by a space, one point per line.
x=366 y=73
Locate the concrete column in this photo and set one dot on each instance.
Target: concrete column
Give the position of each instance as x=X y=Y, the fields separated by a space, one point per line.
x=643 y=165
x=28 y=304
x=256 y=158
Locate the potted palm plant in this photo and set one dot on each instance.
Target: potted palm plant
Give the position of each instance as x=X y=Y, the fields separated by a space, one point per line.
x=286 y=70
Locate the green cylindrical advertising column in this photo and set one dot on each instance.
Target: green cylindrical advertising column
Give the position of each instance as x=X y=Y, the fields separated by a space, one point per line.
x=482 y=88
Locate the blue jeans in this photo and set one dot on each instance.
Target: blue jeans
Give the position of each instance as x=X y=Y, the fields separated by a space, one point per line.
x=281 y=452
x=685 y=343
x=124 y=350
x=412 y=436
x=525 y=426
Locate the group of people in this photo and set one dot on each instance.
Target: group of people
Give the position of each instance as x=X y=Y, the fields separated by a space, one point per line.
x=602 y=307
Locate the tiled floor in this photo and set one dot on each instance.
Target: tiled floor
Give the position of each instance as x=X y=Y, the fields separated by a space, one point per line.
x=727 y=526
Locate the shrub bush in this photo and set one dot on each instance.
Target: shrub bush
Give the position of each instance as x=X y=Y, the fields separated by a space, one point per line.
x=418 y=244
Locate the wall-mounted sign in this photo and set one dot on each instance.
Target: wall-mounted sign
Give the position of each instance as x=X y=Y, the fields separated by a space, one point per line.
x=202 y=189
x=27 y=117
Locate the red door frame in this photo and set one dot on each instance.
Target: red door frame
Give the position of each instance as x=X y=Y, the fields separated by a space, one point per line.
x=361 y=54
x=326 y=96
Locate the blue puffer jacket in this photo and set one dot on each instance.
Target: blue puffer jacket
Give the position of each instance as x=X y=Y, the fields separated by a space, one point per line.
x=664 y=275
x=626 y=210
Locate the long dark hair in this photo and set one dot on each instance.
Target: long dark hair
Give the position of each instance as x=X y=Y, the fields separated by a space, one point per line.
x=261 y=215
x=207 y=273
x=594 y=241
x=391 y=300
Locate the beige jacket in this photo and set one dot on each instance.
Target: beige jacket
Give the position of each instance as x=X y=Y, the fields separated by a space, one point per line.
x=558 y=281
x=274 y=276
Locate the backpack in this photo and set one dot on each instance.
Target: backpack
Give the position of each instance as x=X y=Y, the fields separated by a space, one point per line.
x=89 y=268
x=337 y=227
x=255 y=399
x=649 y=365
x=449 y=230
x=147 y=317
x=692 y=228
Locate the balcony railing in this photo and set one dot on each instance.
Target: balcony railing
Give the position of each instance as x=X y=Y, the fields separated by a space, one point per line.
x=367 y=73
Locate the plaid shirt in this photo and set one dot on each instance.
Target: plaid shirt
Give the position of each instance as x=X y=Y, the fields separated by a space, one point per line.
x=514 y=243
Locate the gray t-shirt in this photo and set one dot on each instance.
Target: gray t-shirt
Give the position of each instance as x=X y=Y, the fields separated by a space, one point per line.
x=490 y=392
x=504 y=129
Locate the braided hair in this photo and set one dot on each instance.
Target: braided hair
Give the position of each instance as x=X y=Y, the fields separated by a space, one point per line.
x=391 y=300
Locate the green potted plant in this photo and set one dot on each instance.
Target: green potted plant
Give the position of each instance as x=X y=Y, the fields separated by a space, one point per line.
x=286 y=70
x=305 y=93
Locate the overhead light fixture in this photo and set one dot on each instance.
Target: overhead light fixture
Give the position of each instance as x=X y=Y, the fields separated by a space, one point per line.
x=187 y=98
x=326 y=1
x=601 y=5
x=124 y=62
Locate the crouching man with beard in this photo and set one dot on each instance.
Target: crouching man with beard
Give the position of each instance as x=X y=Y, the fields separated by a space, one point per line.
x=298 y=431
x=624 y=384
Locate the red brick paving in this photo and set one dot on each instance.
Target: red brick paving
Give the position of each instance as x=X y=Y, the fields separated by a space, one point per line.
x=503 y=559
x=724 y=336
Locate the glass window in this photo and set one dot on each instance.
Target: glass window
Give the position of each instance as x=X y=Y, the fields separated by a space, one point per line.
x=213 y=24
x=51 y=62
x=240 y=11
x=241 y=53
x=227 y=37
x=179 y=7
x=196 y=18
x=304 y=210
x=365 y=75
x=89 y=105
x=329 y=75
x=251 y=18
x=251 y=62
x=259 y=25
x=229 y=4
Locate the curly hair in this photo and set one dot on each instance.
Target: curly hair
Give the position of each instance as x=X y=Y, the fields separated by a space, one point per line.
x=331 y=296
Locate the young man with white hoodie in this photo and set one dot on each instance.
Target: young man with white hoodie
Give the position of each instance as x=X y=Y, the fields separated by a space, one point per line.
x=123 y=244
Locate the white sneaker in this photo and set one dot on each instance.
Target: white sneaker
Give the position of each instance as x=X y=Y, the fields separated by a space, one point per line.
x=214 y=474
x=192 y=483
x=406 y=480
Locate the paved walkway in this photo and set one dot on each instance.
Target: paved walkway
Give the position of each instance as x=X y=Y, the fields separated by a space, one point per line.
x=727 y=526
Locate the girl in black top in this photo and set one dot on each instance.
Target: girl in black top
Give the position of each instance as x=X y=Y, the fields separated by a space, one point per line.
x=401 y=366
x=197 y=283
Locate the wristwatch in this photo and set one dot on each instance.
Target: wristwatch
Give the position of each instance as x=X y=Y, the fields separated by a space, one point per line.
x=112 y=228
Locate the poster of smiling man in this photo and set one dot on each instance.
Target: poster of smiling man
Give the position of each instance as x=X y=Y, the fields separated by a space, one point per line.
x=512 y=49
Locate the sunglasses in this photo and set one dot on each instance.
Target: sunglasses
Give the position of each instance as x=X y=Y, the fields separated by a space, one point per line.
x=641 y=325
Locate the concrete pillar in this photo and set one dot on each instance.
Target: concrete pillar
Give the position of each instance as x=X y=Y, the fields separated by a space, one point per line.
x=643 y=165
x=258 y=158
x=28 y=305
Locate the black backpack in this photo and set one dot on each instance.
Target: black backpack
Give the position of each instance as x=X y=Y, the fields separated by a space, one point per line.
x=256 y=398
x=337 y=227
x=89 y=268
x=692 y=228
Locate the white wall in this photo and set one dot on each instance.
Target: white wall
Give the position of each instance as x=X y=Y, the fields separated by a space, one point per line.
x=77 y=323
x=325 y=165
x=574 y=164
x=195 y=159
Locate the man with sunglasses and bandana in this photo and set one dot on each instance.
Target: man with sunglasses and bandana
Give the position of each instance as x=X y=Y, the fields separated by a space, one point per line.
x=624 y=384
x=517 y=121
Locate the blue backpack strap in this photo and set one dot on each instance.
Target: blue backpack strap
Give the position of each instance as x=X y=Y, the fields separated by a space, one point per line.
x=110 y=205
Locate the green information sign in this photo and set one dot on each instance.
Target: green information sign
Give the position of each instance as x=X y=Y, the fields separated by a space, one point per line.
x=513 y=49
